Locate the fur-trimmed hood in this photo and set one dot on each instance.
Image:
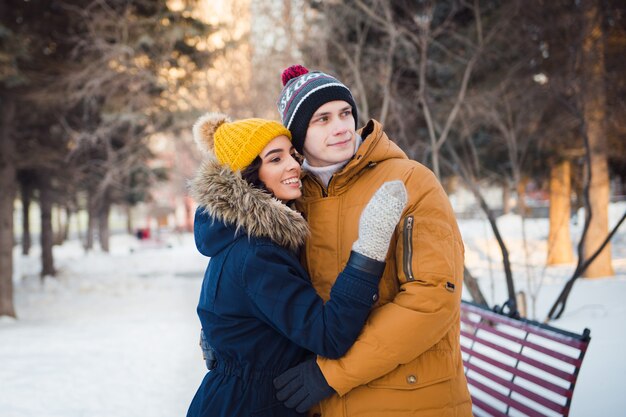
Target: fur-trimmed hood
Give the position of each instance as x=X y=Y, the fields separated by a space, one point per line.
x=225 y=196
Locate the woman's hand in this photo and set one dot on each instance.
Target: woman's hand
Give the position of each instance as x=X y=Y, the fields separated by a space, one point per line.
x=379 y=219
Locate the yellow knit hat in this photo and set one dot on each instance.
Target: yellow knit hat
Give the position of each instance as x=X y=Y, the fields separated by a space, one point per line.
x=235 y=144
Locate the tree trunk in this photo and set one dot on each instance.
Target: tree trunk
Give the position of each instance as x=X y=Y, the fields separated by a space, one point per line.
x=522 y=208
x=47 y=234
x=471 y=284
x=26 y=192
x=91 y=221
x=103 y=225
x=60 y=226
x=506 y=197
x=559 y=240
x=8 y=185
x=129 y=219
x=79 y=226
x=594 y=99
x=66 y=226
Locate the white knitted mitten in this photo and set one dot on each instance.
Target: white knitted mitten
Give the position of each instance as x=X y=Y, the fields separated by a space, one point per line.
x=379 y=219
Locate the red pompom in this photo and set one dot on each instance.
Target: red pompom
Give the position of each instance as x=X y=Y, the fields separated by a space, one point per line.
x=293 y=72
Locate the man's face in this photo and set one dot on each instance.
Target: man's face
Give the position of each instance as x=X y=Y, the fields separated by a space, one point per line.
x=331 y=137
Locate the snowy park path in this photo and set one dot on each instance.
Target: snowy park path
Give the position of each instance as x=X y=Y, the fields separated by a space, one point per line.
x=115 y=336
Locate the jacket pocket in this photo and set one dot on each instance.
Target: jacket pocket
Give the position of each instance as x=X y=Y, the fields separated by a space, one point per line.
x=404 y=251
x=425 y=252
x=407 y=248
x=433 y=366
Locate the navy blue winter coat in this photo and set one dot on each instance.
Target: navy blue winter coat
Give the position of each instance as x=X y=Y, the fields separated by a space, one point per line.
x=257 y=306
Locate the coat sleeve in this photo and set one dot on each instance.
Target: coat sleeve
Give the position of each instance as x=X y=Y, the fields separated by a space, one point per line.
x=285 y=299
x=429 y=265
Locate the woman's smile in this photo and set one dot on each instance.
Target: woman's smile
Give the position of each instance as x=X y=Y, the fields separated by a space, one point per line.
x=280 y=171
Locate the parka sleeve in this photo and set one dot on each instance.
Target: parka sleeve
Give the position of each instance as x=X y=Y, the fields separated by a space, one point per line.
x=287 y=301
x=429 y=265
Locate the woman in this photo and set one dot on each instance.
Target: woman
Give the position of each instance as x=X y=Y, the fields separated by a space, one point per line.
x=257 y=306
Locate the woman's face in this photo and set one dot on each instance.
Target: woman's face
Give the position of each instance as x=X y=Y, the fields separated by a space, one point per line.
x=280 y=171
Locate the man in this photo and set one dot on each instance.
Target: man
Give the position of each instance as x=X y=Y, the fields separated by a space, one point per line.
x=407 y=360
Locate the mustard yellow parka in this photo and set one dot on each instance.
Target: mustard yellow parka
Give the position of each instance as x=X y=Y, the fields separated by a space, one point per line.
x=407 y=360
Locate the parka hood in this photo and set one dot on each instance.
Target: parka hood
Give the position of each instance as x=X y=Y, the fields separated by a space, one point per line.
x=376 y=147
x=232 y=203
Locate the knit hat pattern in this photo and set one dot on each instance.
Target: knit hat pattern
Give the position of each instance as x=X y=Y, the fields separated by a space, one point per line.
x=235 y=144
x=303 y=93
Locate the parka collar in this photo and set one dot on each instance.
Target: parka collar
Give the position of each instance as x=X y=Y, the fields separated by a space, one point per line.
x=224 y=195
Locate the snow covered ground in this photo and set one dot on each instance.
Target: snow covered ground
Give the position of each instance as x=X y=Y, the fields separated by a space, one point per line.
x=116 y=335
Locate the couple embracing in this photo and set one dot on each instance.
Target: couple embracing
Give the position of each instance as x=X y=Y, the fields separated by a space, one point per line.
x=334 y=283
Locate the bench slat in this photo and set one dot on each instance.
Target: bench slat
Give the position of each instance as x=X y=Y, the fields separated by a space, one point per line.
x=503 y=398
x=539 y=365
x=552 y=405
x=486 y=407
x=561 y=336
x=552 y=353
x=512 y=346
x=557 y=389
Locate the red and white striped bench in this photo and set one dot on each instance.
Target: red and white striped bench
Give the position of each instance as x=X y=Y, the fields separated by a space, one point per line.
x=517 y=367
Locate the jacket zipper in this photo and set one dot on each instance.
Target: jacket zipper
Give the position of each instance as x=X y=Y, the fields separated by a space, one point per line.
x=328 y=186
x=316 y=181
x=408 y=248
x=324 y=190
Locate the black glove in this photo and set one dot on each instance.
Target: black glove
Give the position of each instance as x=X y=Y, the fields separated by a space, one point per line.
x=208 y=353
x=302 y=386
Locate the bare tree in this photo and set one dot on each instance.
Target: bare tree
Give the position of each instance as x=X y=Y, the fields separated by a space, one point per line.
x=557 y=309
x=47 y=236
x=7 y=184
x=559 y=240
x=512 y=110
x=466 y=172
x=135 y=65
x=26 y=194
x=594 y=99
